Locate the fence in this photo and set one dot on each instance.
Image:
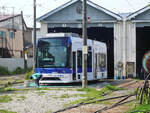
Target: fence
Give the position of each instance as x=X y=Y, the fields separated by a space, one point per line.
x=13 y=63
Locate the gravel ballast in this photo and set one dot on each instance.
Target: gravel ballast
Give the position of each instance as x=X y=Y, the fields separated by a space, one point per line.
x=40 y=101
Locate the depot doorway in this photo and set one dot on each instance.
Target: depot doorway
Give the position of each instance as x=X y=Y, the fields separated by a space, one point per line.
x=95 y=33
x=142 y=46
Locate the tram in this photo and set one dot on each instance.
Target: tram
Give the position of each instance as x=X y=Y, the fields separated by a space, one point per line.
x=59 y=58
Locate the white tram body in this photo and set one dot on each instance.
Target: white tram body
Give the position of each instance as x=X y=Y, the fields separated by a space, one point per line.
x=59 y=58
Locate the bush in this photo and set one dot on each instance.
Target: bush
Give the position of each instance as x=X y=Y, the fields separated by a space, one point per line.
x=3 y=70
x=28 y=75
x=18 y=70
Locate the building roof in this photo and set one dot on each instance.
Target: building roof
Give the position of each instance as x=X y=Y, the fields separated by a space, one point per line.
x=124 y=15
x=118 y=17
x=5 y=18
x=136 y=13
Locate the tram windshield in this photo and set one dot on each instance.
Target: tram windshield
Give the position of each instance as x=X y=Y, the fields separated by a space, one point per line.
x=53 y=53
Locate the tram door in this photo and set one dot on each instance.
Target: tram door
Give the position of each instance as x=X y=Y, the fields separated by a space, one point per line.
x=79 y=65
x=95 y=66
x=74 y=66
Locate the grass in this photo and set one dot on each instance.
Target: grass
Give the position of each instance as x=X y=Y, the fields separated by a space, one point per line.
x=65 y=96
x=6 y=111
x=49 y=111
x=41 y=92
x=93 y=93
x=141 y=109
x=54 y=96
x=5 y=99
x=43 y=89
x=21 y=98
x=9 y=89
x=9 y=82
x=46 y=88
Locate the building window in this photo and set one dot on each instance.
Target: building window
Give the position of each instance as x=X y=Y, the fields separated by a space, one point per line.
x=11 y=34
x=3 y=34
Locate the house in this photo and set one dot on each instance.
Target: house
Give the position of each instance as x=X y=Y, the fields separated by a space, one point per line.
x=11 y=36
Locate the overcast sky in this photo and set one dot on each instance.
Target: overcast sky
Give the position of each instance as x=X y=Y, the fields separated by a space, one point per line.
x=44 y=6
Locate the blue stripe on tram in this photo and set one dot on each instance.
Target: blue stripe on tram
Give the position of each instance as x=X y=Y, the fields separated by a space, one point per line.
x=51 y=70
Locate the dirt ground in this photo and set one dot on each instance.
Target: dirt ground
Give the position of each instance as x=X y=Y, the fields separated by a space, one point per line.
x=130 y=85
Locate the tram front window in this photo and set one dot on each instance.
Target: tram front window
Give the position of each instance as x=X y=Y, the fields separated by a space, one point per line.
x=52 y=53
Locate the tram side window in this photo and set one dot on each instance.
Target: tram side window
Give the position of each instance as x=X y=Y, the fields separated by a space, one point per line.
x=102 y=60
x=89 y=59
x=79 y=59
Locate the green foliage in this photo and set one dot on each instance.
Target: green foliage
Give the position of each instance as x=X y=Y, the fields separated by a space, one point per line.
x=2 y=90
x=4 y=70
x=65 y=96
x=21 y=98
x=5 y=111
x=113 y=88
x=41 y=92
x=18 y=70
x=43 y=88
x=9 y=89
x=141 y=109
x=96 y=94
x=28 y=75
x=5 y=99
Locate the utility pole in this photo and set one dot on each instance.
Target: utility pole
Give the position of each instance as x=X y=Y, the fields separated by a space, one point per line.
x=34 y=34
x=24 y=49
x=85 y=50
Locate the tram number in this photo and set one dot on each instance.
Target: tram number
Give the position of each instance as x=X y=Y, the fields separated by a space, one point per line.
x=60 y=76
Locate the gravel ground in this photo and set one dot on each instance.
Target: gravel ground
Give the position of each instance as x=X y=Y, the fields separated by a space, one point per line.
x=43 y=101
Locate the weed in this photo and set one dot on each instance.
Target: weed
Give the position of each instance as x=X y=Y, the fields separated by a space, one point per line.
x=54 y=96
x=6 y=89
x=64 y=96
x=28 y=75
x=5 y=111
x=21 y=98
x=19 y=81
x=93 y=93
x=49 y=111
x=5 y=99
x=41 y=92
x=43 y=89
x=113 y=88
x=141 y=109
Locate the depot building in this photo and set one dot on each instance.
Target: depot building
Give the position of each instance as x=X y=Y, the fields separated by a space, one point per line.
x=126 y=35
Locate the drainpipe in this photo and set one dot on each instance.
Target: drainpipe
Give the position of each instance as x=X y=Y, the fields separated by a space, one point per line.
x=124 y=47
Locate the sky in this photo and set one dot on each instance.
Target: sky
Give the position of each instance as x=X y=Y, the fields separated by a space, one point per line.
x=44 y=6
